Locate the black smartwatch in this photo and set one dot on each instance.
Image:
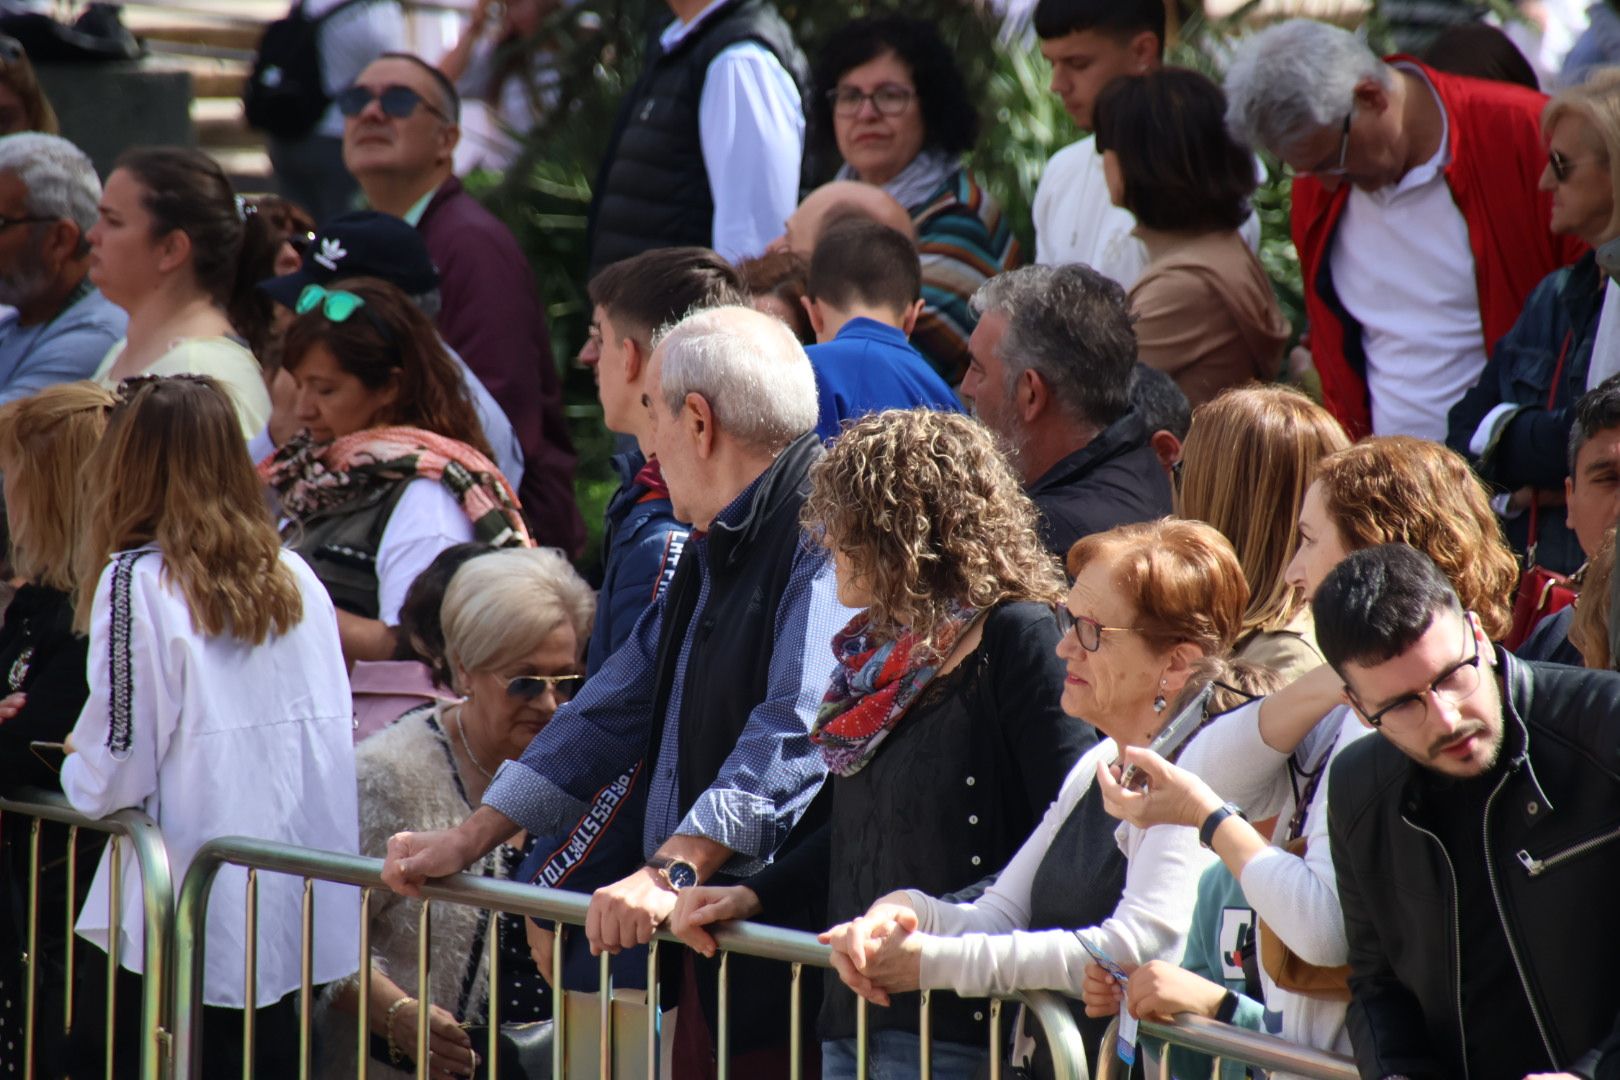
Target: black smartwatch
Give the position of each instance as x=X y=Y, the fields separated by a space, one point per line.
x=677 y=873
x=1206 y=832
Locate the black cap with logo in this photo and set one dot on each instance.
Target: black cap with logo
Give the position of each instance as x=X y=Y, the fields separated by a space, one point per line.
x=364 y=243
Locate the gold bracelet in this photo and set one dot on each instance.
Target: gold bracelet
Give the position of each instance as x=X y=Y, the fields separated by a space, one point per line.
x=395 y=1054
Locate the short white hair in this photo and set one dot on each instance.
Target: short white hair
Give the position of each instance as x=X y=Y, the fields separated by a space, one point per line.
x=61 y=181
x=501 y=606
x=1295 y=78
x=749 y=368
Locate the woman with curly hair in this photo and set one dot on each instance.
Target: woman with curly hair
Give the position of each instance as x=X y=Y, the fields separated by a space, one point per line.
x=891 y=100
x=1273 y=758
x=943 y=727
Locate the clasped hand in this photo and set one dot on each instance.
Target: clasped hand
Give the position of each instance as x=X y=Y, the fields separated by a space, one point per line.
x=879 y=953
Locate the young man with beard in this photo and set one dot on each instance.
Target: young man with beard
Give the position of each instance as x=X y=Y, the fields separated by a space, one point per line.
x=1475 y=842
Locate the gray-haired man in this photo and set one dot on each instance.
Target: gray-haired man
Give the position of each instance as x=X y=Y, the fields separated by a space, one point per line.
x=62 y=326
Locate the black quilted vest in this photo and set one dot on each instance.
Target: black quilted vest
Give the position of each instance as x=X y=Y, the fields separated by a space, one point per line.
x=653 y=188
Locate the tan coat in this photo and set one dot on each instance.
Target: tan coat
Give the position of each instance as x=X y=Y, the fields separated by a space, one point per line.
x=1205 y=313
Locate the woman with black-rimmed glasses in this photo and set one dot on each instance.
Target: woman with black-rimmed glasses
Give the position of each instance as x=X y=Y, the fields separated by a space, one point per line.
x=515 y=624
x=891 y=102
x=391 y=467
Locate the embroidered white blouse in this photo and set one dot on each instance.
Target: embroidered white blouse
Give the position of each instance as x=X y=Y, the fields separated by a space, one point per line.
x=212 y=737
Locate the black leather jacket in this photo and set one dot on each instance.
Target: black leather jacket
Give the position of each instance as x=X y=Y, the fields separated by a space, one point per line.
x=1552 y=828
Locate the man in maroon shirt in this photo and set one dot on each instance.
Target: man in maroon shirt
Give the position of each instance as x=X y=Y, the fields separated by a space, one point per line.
x=399 y=136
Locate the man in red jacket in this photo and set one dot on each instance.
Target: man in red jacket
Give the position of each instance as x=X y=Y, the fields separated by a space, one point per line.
x=1416 y=214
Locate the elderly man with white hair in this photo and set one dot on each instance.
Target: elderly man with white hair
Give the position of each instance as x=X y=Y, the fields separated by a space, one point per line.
x=718 y=683
x=61 y=325
x=1416 y=214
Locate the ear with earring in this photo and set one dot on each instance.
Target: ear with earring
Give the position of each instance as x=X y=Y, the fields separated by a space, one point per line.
x=1159 y=703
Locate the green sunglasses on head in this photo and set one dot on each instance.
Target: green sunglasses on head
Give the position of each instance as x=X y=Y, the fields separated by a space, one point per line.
x=335 y=304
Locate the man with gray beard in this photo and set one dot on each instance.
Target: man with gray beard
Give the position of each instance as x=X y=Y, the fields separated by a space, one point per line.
x=62 y=326
x=1052 y=360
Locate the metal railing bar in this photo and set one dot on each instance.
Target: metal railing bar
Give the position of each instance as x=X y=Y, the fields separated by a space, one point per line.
x=1250 y=1047
x=604 y=1016
x=306 y=984
x=997 y=1043
x=157 y=895
x=652 y=1011
x=559 y=1011
x=250 y=965
x=115 y=934
x=67 y=959
x=492 y=1010
x=31 y=964
x=796 y=1022
x=722 y=1034
x=424 y=987
x=925 y=1037
x=363 y=988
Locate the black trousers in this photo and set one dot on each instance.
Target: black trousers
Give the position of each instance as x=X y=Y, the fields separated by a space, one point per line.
x=275 y=1039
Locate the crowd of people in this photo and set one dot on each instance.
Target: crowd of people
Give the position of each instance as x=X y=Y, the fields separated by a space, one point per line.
x=1011 y=626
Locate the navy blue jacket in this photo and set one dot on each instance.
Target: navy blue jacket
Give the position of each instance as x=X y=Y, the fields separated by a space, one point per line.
x=641 y=544
x=1531 y=448
x=869 y=367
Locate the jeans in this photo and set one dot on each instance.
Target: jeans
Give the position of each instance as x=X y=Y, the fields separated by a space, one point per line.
x=897 y=1055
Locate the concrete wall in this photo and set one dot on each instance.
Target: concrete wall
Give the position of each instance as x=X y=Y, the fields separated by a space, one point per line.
x=106 y=108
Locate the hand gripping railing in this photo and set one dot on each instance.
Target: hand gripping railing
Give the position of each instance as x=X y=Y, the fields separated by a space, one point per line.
x=1229 y=1044
x=157 y=905
x=798 y=950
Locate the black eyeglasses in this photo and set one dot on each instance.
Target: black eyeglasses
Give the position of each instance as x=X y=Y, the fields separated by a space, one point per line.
x=1087 y=631
x=397 y=101
x=1344 y=150
x=27 y=219
x=1454 y=685
x=530 y=687
x=888 y=99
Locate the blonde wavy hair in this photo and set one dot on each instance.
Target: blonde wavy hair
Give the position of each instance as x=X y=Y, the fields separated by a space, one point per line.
x=1597 y=102
x=1399 y=490
x=173 y=471
x=1249 y=457
x=930 y=514
x=45 y=441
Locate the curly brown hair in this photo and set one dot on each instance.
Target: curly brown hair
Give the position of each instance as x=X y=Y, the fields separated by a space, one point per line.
x=1396 y=489
x=929 y=514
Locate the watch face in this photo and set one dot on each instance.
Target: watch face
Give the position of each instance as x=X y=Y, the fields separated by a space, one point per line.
x=682 y=875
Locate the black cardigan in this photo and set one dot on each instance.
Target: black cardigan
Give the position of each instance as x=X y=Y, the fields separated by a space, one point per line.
x=949 y=797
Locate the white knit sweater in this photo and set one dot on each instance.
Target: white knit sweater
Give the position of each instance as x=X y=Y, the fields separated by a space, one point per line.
x=408 y=784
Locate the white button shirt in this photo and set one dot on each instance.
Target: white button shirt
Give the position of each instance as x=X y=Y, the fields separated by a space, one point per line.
x=751 y=126
x=213 y=737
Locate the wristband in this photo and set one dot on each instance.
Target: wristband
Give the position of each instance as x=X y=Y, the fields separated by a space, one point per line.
x=1227 y=1009
x=1206 y=832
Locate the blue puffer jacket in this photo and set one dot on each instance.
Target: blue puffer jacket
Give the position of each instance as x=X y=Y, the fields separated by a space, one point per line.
x=643 y=542
x=1539 y=367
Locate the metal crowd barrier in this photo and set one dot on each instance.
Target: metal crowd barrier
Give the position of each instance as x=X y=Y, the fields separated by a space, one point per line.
x=157 y=894
x=1228 y=1044
x=798 y=950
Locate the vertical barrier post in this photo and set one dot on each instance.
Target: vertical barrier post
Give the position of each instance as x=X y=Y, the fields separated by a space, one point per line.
x=652 y=1010
x=72 y=891
x=995 y=1039
x=559 y=1007
x=306 y=988
x=860 y=1038
x=424 y=987
x=362 y=1039
x=492 y=1046
x=604 y=1013
x=250 y=991
x=115 y=933
x=796 y=1023
x=925 y=1037
x=31 y=956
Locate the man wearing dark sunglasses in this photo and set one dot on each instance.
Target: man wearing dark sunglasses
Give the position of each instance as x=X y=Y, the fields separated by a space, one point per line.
x=62 y=324
x=399 y=139
x=1473 y=839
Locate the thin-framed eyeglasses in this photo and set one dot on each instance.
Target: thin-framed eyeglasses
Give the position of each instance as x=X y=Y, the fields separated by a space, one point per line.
x=1454 y=685
x=530 y=687
x=890 y=99
x=397 y=101
x=1087 y=631
x=1344 y=150
x=26 y=219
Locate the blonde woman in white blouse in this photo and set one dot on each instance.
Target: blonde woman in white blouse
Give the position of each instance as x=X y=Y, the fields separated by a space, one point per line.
x=218 y=704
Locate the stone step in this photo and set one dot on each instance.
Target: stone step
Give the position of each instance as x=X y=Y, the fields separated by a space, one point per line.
x=219 y=123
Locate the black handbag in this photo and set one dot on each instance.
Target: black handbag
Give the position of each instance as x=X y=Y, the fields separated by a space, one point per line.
x=525 y=1051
